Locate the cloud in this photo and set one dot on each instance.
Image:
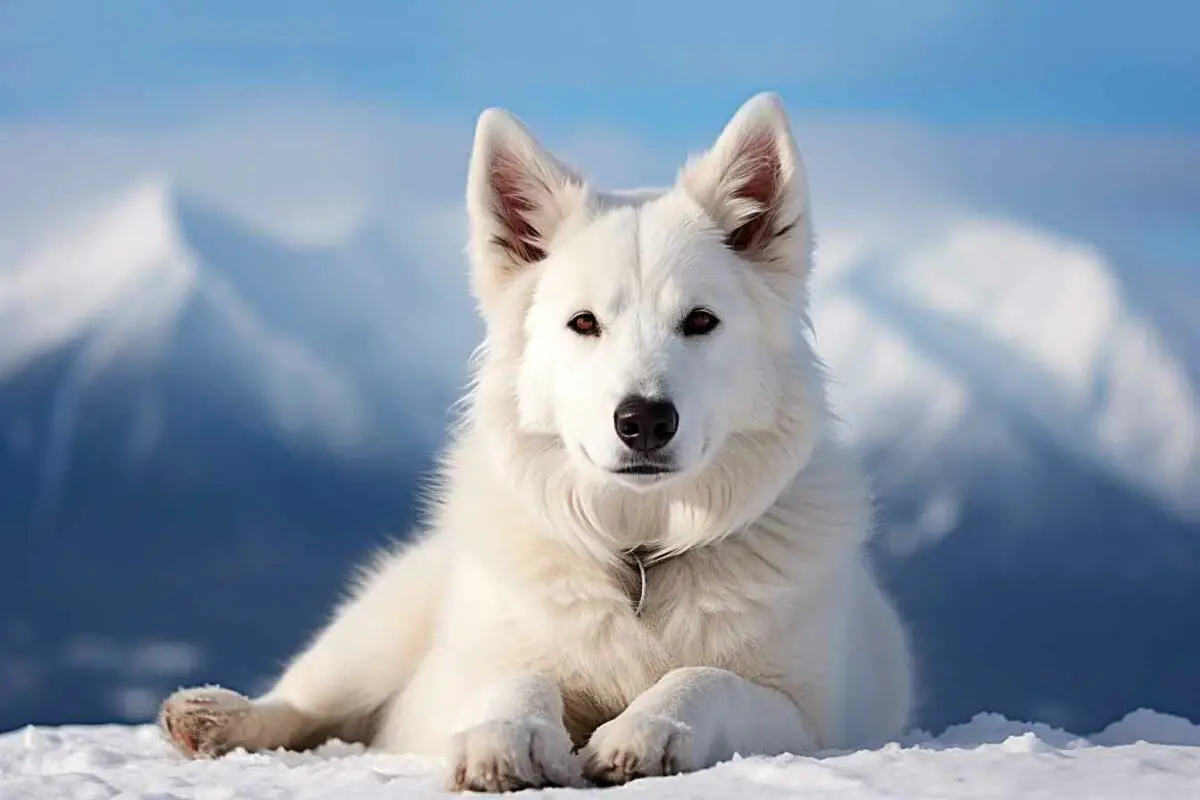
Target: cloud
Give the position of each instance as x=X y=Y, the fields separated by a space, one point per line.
x=1105 y=187
x=311 y=169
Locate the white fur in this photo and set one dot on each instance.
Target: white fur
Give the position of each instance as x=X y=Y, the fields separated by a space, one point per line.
x=506 y=629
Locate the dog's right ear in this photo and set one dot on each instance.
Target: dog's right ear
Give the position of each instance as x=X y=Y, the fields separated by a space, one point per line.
x=518 y=194
x=752 y=183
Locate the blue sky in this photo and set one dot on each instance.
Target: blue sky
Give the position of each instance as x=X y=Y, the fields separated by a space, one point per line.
x=1080 y=117
x=659 y=67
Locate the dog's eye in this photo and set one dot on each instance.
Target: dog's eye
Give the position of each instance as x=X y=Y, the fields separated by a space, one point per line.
x=584 y=323
x=699 y=322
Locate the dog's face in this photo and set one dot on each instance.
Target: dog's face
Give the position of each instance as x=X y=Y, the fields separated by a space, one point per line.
x=652 y=327
x=642 y=346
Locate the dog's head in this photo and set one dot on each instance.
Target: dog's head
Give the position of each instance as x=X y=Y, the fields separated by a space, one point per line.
x=644 y=333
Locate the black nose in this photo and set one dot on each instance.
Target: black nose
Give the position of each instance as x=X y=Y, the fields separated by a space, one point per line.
x=645 y=425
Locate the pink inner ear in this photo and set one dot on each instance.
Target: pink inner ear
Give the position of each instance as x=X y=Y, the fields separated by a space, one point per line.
x=759 y=162
x=757 y=177
x=513 y=207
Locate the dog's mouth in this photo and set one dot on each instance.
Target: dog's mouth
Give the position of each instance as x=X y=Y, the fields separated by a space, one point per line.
x=645 y=469
x=637 y=473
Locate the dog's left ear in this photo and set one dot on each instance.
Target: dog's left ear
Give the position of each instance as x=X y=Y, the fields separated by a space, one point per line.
x=518 y=194
x=752 y=183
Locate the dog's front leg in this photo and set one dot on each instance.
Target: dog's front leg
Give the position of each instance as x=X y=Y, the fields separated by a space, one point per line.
x=692 y=718
x=518 y=742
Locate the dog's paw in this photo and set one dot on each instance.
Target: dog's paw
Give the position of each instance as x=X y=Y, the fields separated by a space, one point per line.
x=204 y=722
x=509 y=755
x=637 y=746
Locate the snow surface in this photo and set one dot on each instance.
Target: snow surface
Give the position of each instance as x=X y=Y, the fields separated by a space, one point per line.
x=1145 y=755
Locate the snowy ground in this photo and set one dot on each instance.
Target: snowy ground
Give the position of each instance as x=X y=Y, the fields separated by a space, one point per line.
x=1145 y=755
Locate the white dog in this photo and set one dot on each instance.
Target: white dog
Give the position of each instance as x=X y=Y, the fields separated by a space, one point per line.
x=646 y=553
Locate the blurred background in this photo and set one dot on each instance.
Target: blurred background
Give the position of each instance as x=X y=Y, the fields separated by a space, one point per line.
x=233 y=312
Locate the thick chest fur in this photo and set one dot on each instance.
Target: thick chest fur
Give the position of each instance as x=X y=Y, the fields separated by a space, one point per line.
x=695 y=613
x=524 y=604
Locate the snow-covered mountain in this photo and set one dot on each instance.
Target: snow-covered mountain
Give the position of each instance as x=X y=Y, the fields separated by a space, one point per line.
x=320 y=342
x=993 y=311
x=195 y=419
x=195 y=415
x=1035 y=441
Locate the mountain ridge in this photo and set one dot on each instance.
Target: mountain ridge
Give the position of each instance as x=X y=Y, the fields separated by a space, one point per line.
x=1116 y=394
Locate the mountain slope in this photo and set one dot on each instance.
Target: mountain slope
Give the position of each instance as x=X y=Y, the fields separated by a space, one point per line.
x=182 y=442
x=1035 y=323
x=1033 y=443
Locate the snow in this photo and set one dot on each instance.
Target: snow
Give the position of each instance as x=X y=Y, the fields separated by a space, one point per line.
x=1143 y=755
